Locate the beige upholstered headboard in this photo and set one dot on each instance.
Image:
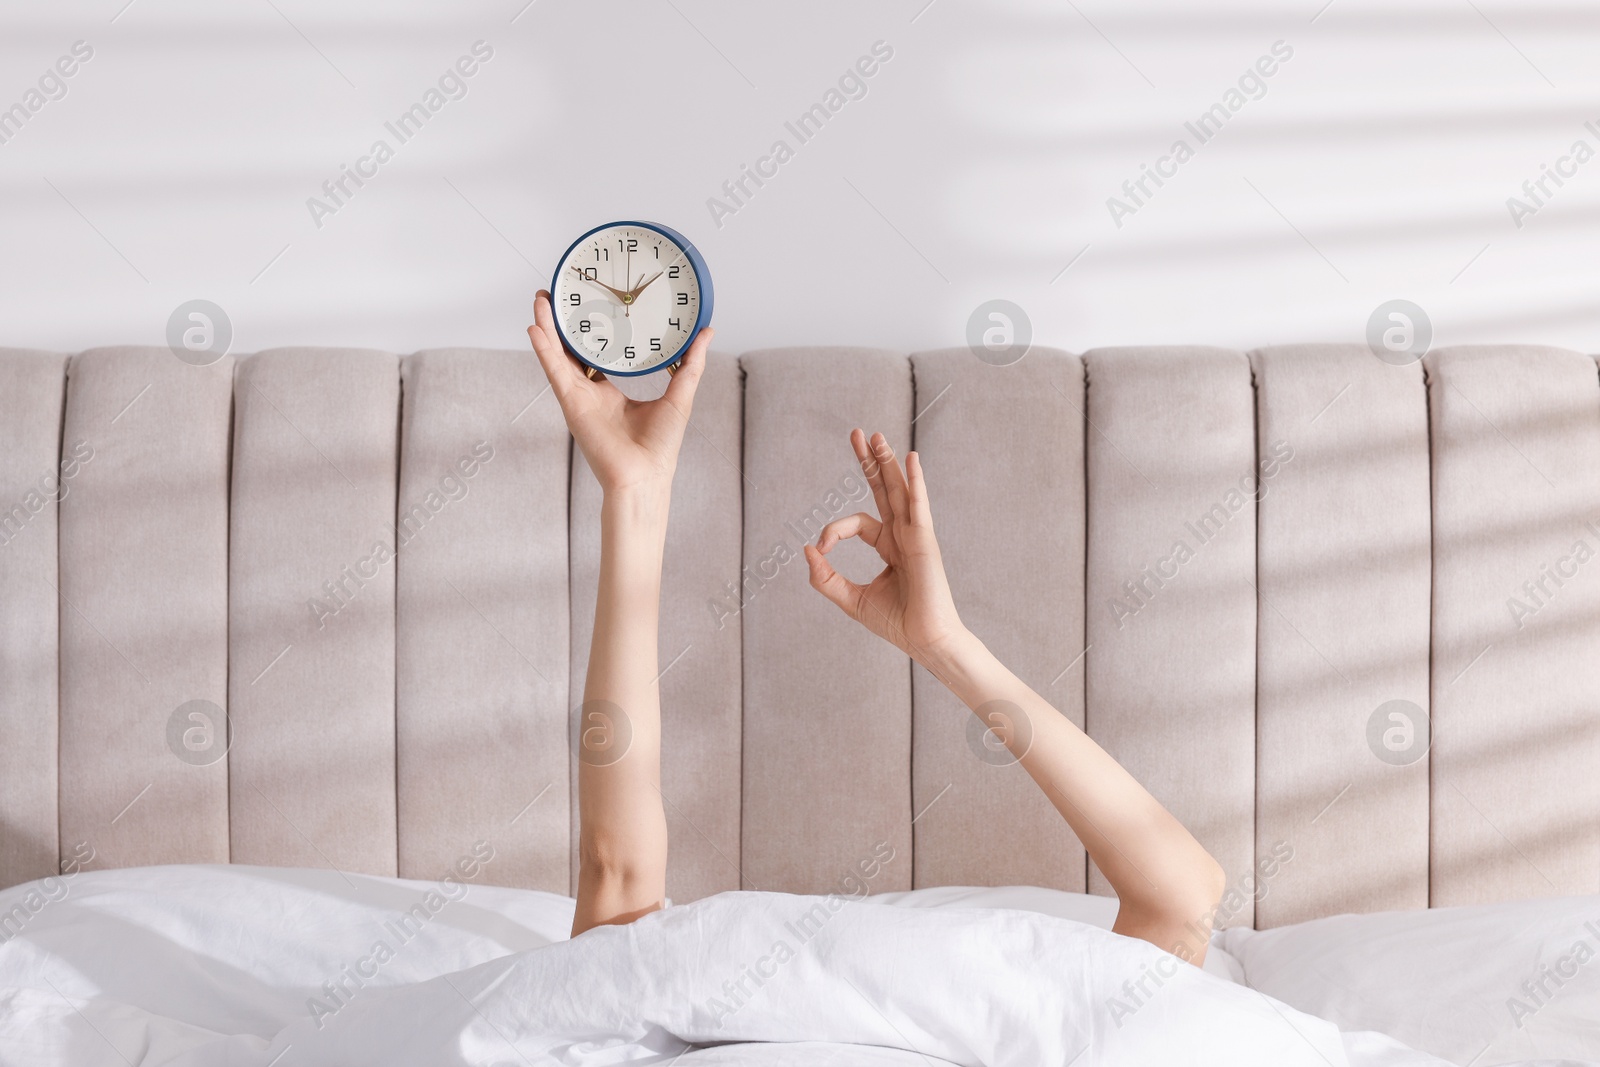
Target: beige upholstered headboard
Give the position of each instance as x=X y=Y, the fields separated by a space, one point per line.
x=1226 y=566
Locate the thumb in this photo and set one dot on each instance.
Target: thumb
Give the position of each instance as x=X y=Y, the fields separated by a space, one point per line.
x=681 y=389
x=844 y=593
x=684 y=386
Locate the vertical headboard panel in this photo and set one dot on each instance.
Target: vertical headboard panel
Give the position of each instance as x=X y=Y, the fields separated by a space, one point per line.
x=1003 y=447
x=32 y=385
x=1344 y=585
x=144 y=607
x=1171 y=561
x=700 y=647
x=1516 y=617
x=312 y=636
x=827 y=712
x=481 y=687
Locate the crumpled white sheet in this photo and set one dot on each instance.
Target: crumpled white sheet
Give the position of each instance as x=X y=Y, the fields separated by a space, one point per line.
x=991 y=988
x=212 y=966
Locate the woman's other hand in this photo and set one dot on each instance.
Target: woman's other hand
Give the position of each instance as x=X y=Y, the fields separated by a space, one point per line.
x=908 y=604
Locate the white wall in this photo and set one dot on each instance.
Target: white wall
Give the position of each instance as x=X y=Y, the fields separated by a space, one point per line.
x=1377 y=165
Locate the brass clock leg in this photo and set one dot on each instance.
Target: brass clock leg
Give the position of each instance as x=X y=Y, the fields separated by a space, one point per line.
x=592 y=374
x=672 y=371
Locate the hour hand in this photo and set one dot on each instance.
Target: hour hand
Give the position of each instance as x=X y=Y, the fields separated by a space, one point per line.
x=622 y=295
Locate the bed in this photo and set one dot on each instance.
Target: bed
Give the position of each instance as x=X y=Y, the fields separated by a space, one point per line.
x=288 y=639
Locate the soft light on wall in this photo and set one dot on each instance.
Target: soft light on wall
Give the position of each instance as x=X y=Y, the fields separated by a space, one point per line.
x=1340 y=154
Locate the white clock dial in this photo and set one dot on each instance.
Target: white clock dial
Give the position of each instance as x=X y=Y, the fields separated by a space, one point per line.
x=627 y=299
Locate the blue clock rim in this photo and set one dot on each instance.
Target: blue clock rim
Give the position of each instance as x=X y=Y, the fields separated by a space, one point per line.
x=697 y=264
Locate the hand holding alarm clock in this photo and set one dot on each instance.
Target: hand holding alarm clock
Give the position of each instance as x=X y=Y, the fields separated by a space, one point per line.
x=628 y=298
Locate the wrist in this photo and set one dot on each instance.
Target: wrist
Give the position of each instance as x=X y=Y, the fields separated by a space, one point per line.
x=954 y=658
x=641 y=506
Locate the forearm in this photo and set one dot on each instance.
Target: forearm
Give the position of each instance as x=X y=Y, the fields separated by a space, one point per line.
x=1162 y=876
x=623 y=837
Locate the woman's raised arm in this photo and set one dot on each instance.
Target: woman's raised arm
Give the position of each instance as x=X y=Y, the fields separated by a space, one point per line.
x=1165 y=881
x=632 y=447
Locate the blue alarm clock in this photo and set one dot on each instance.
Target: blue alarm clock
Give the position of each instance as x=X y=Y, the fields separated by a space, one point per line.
x=629 y=298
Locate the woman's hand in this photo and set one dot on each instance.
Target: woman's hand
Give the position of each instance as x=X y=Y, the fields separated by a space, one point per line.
x=627 y=442
x=1166 y=882
x=908 y=604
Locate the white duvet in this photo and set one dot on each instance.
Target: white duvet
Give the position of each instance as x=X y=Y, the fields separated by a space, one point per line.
x=210 y=966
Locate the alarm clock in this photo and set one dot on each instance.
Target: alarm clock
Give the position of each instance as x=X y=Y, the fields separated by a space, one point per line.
x=629 y=298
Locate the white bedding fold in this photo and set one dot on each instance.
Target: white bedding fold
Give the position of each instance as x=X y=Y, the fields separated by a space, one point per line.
x=206 y=966
x=991 y=988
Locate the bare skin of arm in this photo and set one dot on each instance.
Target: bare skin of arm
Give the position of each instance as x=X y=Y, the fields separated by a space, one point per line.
x=1166 y=883
x=632 y=448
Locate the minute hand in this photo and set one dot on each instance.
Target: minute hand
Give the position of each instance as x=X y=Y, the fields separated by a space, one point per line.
x=636 y=290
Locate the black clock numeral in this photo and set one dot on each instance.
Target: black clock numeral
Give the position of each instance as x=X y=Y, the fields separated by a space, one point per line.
x=672 y=271
x=591 y=274
x=675 y=324
x=574 y=299
x=628 y=351
x=603 y=342
x=583 y=325
x=601 y=253
x=658 y=251
x=632 y=246
x=683 y=298
x=655 y=344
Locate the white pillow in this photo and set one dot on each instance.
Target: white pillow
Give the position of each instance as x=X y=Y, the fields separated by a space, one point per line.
x=1484 y=985
x=1079 y=907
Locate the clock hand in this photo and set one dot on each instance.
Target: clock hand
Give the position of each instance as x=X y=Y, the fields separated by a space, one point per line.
x=622 y=297
x=636 y=290
x=627 y=273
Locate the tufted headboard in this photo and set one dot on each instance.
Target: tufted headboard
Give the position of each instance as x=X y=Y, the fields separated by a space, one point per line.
x=1248 y=576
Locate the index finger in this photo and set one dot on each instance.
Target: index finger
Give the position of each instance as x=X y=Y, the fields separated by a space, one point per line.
x=558 y=366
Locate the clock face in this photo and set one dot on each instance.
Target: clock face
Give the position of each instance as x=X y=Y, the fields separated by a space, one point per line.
x=628 y=297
